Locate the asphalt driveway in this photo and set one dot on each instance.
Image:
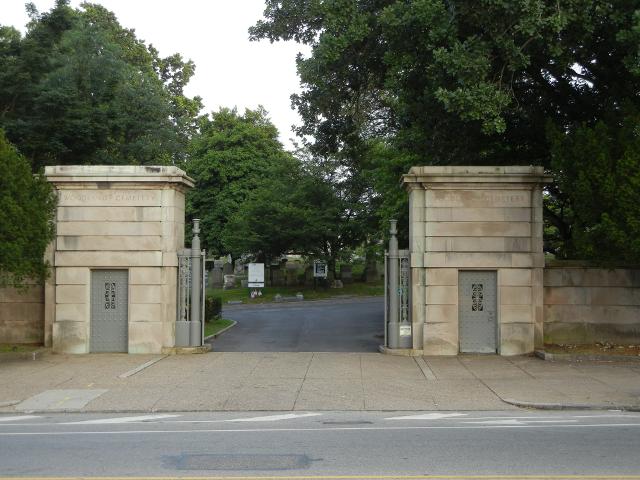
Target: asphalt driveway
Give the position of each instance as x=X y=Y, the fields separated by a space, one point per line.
x=338 y=325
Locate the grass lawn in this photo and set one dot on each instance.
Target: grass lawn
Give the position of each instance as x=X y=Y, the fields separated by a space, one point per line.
x=211 y=328
x=9 y=347
x=268 y=293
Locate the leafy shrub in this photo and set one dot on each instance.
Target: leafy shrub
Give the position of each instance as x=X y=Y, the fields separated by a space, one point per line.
x=212 y=308
x=26 y=218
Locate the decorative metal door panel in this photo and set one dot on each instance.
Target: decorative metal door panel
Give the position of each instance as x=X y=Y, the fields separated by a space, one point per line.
x=109 y=310
x=477 y=302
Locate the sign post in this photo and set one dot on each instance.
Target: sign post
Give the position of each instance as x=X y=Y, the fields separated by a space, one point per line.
x=319 y=271
x=256 y=279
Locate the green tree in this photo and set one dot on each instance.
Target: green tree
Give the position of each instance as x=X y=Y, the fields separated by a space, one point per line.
x=456 y=81
x=295 y=211
x=233 y=155
x=26 y=218
x=604 y=192
x=81 y=89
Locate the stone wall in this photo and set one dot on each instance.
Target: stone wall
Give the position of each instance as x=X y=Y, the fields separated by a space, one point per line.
x=22 y=315
x=585 y=305
x=117 y=217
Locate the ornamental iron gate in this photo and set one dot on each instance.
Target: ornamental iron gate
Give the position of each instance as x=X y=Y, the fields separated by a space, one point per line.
x=397 y=295
x=190 y=313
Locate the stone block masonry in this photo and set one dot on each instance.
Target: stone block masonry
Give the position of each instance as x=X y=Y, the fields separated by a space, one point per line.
x=22 y=314
x=115 y=218
x=585 y=305
x=476 y=219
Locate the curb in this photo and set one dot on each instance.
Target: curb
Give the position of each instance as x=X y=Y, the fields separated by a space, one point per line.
x=569 y=406
x=571 y=357
x=184 y=351
x=216 y=335
x=400 y=352
x=305 y=302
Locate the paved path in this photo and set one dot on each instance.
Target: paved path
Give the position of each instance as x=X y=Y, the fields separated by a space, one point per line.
x=324 y=326
x=300 y=381
x=322 y=444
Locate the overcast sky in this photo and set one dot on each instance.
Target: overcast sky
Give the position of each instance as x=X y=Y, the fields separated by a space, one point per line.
x=230 y=70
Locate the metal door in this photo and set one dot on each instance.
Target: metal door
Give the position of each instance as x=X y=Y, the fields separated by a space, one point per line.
x=477 y=311
x=109 y=310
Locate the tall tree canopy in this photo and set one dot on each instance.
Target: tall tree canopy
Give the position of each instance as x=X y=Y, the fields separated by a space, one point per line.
x=79 y=88
x=233 y=155
x=298 y=210
x=465 y=82
x=289 y=212
x=26 y=218
x=255 y=198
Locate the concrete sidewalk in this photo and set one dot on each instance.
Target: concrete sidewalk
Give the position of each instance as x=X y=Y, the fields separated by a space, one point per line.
x=310 y=381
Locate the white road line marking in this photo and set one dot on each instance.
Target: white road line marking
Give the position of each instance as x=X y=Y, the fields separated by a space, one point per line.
x=19 y=418
x=512 y=421
x=330 y=429
x=274 y=418
x=428 y=416
x=526 y=419
x=551 y=421
x=101 y=421
x=507 y=421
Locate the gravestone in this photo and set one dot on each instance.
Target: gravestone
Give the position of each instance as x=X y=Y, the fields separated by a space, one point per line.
x=371 y=273
x=346 y=274
x=308 y=276
x=291 y=277
x=229 y=282
x=277 y=277
x=216 y=277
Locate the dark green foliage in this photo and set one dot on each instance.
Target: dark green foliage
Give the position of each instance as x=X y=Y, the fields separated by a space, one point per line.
x=597 y=169
x=233 y=155
x=291 y=211
x=26 y=218
x=80 y=89
x=390 y=84
x=212 y=308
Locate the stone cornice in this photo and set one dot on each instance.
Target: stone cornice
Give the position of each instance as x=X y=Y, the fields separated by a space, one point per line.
x=469 y=175
x=118 y=174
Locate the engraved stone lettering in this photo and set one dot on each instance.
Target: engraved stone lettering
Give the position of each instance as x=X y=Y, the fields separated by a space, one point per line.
x=104 y=197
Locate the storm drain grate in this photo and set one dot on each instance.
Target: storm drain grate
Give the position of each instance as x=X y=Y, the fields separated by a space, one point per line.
x=242 y=462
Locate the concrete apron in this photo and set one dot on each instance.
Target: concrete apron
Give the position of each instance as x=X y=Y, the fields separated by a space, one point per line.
x=310 y=381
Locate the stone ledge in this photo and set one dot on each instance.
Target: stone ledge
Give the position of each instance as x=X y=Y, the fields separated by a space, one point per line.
x=118 y=173
x=573 y=357
x=185 y=350
x=400 y=352
x=477 y=174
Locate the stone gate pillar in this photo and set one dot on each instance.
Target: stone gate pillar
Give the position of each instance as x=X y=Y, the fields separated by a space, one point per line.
x=120 y=224
x=475 y=220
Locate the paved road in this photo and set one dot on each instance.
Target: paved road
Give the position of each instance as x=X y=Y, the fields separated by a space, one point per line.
x=317 y=444
x=323 y=326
